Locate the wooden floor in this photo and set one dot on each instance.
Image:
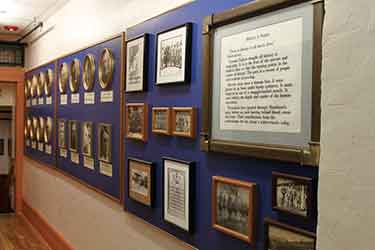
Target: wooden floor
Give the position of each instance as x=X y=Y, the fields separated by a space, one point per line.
x=15 y=234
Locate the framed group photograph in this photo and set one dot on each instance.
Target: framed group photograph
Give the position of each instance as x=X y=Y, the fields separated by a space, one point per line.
x=177 y=192
x=87 y=130
x=136 y=121
x=106 y=68
x=184 y=121
x=73 y=136
x=88 y=72
x=105 y=142
x=161 y=120
x=292 y=194
x=233 y=207
x=61 y=133
x=140 y=181
x=47 y=135
x=174 y=55
x=63 y=77
x=279 y=236
x=136 y=64
x=75 y=75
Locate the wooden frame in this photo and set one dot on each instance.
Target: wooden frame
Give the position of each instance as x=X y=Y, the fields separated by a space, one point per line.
x=143 y=120
x=193 y=120
x=305 y=234
x=75 y=81
x=70 y=124
x=109 y=127
x=155 y=130
x=251 y=188
x=303 y=156
x=106 y=84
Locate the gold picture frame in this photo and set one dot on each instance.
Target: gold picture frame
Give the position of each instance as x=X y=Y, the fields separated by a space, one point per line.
x=27 y=90
x=40 y=83
x=87 y=138
x=36 y=128
x=106 y=68
x=48 y=82
x=63 y=77
x=34 y=85
x=31 y=128
x=41 y=129
x=161 y=125
x=88 y=74
x=29 y=86
x=75 y=75
x=184 y=121
x=48 y=129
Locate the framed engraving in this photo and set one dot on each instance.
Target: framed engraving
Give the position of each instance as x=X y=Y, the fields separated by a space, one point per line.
x=87 y=138
x=184 y=121
x=136 y=121
x=161 y=120
x=174 y=55
x=63 y=77
x=233 y=207
x=48 y=83
x=177 y=192
x=48 y=130
x=61 y=133
x=261 y=89
x=140 y=181
x=73 y=136
x=279 y=236
x=88 y=72
x=75 y=75
x=105 y=142
x=106 y=68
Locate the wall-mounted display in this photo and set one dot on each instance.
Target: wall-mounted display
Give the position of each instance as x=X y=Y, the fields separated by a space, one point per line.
x=75 y=75
x=184 y=121
x=34 y=85
x=177 y=192
x=61 y=133
x=48 y=83
x=233 y=207
x=39 y=84
x=48 y=130
x=27 y=89
x=140 y=180
x=63 y=77
x=105 y=142
x=136 y=63
x=106 y=68
x=88 y=72
x=73 y=136
x=87 y=138
x=174 y=55
x=161 y=120
x=279 y=236
x=40 y=129
x=136 y=121
x=32 y=127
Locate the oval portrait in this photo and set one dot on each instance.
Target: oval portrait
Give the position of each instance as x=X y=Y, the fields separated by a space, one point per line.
x=63 y=77
x=75 y=74
x=27 y=90
x=39 y=129
x=26 y=131
x=29 y=86
x=34 y=85
x=106 y=67
x=48 y=82
x=88 y=72
x=28 y=126
x=47 y=129
x=34 y=128
x=40 y=83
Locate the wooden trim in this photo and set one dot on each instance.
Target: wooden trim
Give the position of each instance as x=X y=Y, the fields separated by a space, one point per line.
x=54 y=239
x=122 y=120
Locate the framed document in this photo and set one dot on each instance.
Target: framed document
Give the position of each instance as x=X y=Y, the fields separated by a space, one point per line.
x=136 y=121
x=177 y=192
x=63 y=77
x=140 y=181
x=106 y=68
x=75 y=75
x=87 y=138
x=161 y=120
x=105 y=142
x=88 y=72
x=184 y=121
x=261 y=88
x=73 y=136
x=61 y=133
x=136 y=64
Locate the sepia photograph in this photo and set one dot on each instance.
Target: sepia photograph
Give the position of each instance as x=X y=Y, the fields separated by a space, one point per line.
x=61 y=133
x=88 y=72
x=106 y=68
x=291 y=194
x=63 y=77
x=87 y=138
x=136 y=68
x=140 y=181
x=73 y=136
x=136 y=121
x=105 y=142
x=183 y=121
x=75 y=75
x=48 y=130
x=161 y=122
x=279 y=236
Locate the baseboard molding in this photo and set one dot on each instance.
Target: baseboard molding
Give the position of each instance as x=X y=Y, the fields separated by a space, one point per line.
x=54 y=239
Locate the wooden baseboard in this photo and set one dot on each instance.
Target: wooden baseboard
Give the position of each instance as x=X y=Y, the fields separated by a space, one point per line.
x=54 y=239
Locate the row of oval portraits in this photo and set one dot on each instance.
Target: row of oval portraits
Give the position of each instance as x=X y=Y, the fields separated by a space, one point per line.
x=39 y=128
x=35 y=86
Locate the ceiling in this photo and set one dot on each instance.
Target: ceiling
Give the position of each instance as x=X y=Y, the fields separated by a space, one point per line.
x=26 y=13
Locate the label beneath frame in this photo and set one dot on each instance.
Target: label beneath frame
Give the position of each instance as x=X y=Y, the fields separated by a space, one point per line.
x=33 y=144
x=41 y=101
x=41 y=146
x=75 y=98
x=106 y=96
x=49 y=100
x=34 y=102
x=88 y=162
x=105 y=168
x=63 y=153
x=48 y=149
x=74 y=157
x=63 y=99
x=27 y=143
x=89 y=98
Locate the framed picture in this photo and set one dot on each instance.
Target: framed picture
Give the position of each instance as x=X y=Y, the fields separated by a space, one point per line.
x=48 y=130
x=26 y=129
x=43 y=78
x=73 y=136
x=106 y=68
x=174 y=55
x=88 y=72
x=140 y=181
x=61 y=133
x=40 y=129
x=161 y=120
x=49 y=82
x=136 y=66
x=30 y=123
x=105 y=142
x=177 y=192
x=36 y=128
x=136 y=121
x=40 y=84
x=75 y=75
x=27 y=88
x=87 y=131
x=34 y=84
x=233 y=207
x=292 y=194
x=184 y=121
x=279 y=236
x=63 y=77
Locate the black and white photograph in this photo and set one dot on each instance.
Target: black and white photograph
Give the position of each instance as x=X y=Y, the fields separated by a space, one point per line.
x=88 y=72
x=73 y=136
x=140 y=181
x=48 y=130
x=75 y=75
x=105 y=142
x=87 y=138
x=61 y=133
x=184 y=120
x=136 y=68
x=161 y=120
x=106 y=68
x=63 y=77
x=136 y=121
x=173 y=55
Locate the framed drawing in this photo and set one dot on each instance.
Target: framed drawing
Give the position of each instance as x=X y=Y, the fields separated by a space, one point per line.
x=161 y=120
x=184 y=121
x=173 y=58
x=105 y=142
x=136 y=64
x=75 y=75
x=47 y=135
x=106 y=68
x=88 y=72
x=261 y=89
x=63 y=77
x=61 y=133
x=279 y=236
x=73 y=136
x=292 y=194
x=87 y=138
x=233 y=207
x=140 y=181
x=136 y=121
x=177 y=192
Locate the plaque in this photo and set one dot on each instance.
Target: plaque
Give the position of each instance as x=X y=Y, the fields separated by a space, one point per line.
x=75 y=98
x=106 y=96
x=63 y=77
x=63 y=152
x=105 y=168
x=88 y=162
x=75 y=76
x=63 y=99
x=88 y=72
x=74 y=157
x=106 y=68
x=89 y=98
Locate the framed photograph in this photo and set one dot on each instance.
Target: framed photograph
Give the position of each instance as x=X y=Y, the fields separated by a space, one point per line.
x=48 y=130
x=105 y=142
x=88 y=72
x=184 y=121
x=292 y=194
x=30 y=123
x=63 y=77
x=106 y=68
x=73 y=136
x=161 y=120
x=233 y=207
x=40 y=130
x=140 y=181
x=136 y=121
x=87 y=138
x=61 y=133
x=136 y=66
x=174 y=55
x=75 y=75
x=279 y=236
x=177 y=192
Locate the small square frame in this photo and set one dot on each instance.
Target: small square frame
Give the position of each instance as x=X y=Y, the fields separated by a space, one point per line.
x=160 y=131
x=193 y=116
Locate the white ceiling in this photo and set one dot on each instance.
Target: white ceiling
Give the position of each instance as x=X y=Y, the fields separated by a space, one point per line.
x=26 y=13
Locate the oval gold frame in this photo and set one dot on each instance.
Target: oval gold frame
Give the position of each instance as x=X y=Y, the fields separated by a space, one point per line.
x=41 y=129
x=88 y=77
x=27 y=90
x=39 y=87
x=28 y=126
x=48 y=82
x=63 y=77
x=29 y=86
x=48 y=129
x=34 y=127
x=38 y=130
x=26 y=130
x=105 y=83
x=34 y=85
x=75 y=75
